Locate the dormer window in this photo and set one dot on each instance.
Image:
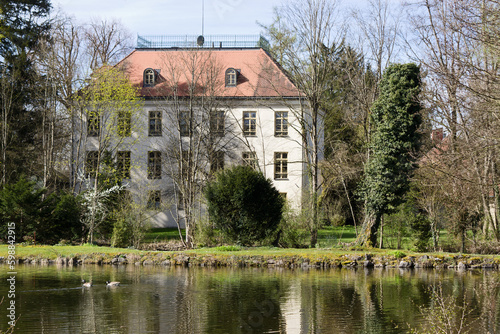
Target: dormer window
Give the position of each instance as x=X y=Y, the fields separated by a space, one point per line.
x=149 y=77
x=231 y=77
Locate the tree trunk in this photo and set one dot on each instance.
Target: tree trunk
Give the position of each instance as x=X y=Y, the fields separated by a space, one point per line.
x=368 y=235
x=381 y=242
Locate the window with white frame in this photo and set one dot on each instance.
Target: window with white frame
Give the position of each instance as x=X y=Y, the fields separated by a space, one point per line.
x=149 y=77
x=91 y=163
x=184 y=124
x=124 y=123
x=154 y=165
x=231 y=77
x=250 y=123
x=93 y=124
x=281 y=123
x=154 y=200
x=123 y=163
x=155 y=123
x=217 y=123
x=249 y=159
x=280 y=165
x=216 y=161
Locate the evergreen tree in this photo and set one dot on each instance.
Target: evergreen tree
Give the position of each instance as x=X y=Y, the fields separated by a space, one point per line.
x=244 y=205
x=22 y=24
x=395 y=118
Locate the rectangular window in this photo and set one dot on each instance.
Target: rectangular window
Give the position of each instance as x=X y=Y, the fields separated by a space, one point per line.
x=250 y=159
x=217 y=123
x=184 y=164
x=155 y=123
x=154 y=165
x=216 y=161
x=93 y=124
x=280 y=165
x=91 y=163
x=184 y=125
x=124 y=123
x=123 y=164
x=250 y=123
x=154 y=200
x=180 y=201
x=281 y=124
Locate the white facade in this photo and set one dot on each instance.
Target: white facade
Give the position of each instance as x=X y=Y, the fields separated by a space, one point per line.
x=265 y=126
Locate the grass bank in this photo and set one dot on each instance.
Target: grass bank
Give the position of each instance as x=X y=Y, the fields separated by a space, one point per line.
x=250 y=257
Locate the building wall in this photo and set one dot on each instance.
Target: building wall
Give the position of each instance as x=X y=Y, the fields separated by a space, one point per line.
x=264 y=143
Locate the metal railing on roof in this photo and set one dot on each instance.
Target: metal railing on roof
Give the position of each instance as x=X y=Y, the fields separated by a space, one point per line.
x=209 y=41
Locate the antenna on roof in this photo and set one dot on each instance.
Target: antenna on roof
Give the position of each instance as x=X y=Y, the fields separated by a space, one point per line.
x=202 y=17
x=200 y=40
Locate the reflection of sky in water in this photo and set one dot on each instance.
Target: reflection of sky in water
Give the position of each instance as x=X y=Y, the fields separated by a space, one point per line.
x=50 y=299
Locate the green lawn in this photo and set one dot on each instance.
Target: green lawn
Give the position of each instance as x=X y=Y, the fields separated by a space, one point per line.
x=162 y=235
x=334 y=236
x=328 y=237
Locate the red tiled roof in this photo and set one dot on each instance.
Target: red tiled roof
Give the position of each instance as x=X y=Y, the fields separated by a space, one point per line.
x=259 y=75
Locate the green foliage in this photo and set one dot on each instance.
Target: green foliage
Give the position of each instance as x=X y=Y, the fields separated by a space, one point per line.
x=396 y=119
x=228 y=248
x=23 y=23
x=398 y=254
x=60 y=219
x=20 y=203
x=292 y=232
x=46 y=220
x=122 y=233
x=244 y=205
x=407 y=221
x=422 y=232
x=206 y=234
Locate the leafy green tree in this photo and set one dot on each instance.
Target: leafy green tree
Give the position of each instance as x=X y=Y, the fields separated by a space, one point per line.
x=244 y=205
x=395 y=118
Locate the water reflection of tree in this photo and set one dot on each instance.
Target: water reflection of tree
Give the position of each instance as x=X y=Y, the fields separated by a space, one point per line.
x=234 y=301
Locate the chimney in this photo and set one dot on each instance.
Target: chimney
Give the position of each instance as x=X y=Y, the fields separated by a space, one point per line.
x=437 y=136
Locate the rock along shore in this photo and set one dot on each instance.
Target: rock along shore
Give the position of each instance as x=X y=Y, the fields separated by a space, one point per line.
x=233 y=259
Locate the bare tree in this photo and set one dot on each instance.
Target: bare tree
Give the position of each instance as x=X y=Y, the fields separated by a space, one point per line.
x=315 y=27
x=6 y=91
x=107 y=42
x=379 y=23
x=197 y=129
x=457 y=39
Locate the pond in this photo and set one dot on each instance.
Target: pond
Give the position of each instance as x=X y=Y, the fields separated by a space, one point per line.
x=154 y=299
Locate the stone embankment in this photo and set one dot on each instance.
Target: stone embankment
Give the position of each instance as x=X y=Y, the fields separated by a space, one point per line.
x=238 y=259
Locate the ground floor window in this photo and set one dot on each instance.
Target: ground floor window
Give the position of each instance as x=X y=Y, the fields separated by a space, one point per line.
x=280 y=165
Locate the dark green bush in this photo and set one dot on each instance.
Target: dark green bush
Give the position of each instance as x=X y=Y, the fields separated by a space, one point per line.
x=37 y=218
x=244 y=205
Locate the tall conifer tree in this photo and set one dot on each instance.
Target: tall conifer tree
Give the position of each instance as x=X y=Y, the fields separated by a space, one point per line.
x=395 y=118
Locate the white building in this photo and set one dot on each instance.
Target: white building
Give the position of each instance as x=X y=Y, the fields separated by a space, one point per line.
x=203 y=109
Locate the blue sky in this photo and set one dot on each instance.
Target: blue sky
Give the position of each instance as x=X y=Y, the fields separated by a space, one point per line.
x=176 y=17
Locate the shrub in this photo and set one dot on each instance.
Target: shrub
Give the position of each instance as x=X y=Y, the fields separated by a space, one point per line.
x=292 y=232
x=244 y=205
x=122 y=233
x=398 y=254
